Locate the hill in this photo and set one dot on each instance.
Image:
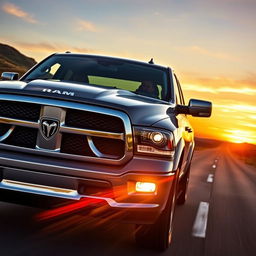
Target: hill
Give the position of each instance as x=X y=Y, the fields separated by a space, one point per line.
x=244 y=151
x=202 y=143
x=12 y=60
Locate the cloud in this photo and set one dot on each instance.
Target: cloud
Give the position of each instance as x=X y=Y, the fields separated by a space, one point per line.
x=213 y=54
x=243 y=90
x=83 y=50
x=253 y=117
x=248 y=124
x=238 y=135
x=16 y=11
x=46 y=47
x=231 y=88
x=214 y=90
x=41 y=47
x=238 y=108
x=84 y=25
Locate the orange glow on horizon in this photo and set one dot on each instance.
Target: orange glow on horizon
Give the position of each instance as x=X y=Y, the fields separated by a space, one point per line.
x=233 y=111
x=239 y=136
x=239 y=141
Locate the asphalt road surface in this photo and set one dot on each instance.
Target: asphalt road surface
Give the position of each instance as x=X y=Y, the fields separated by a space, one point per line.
x=218 y=219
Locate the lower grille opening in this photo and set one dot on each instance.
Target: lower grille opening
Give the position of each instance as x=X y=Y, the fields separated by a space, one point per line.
x=93 y=190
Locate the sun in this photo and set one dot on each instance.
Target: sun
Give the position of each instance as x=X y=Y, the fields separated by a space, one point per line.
x=238 y=141
x=238 y=136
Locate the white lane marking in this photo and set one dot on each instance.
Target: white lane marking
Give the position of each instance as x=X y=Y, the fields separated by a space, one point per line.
x=199 y=227
x=210 y=178
x=214 y=166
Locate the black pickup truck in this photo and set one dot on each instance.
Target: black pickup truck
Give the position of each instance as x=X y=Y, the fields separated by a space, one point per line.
x=108 y=133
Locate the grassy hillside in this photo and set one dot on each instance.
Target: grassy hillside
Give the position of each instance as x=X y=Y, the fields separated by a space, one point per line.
x=13 y=60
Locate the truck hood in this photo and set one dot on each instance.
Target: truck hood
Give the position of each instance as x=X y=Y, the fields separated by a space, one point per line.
x=141 y=110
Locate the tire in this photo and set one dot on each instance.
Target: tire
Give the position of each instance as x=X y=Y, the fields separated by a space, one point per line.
x=183 y=188
x=158 y=236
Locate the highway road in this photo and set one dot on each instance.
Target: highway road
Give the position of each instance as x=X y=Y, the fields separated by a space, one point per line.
x=218 y=219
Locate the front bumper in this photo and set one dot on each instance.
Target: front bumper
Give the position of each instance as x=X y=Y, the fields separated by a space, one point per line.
x=67 y=194
x=104 y=189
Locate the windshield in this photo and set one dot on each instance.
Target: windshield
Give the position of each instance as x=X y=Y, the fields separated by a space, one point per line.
x=102 y=71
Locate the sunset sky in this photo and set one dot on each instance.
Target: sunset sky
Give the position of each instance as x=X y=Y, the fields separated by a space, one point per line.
x=211 y=44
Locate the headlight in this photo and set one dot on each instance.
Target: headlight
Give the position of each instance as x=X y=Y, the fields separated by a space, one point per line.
x=158 y=138
x=153 y=141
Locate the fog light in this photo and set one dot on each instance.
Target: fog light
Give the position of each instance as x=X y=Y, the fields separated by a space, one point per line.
x=145 y=187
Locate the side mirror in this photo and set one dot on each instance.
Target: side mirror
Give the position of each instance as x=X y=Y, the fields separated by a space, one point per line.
x=10 y=76
x=200 y=108
x=196 y=107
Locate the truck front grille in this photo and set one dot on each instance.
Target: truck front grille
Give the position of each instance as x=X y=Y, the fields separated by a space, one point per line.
x=4 y=128
x=82 y=132
x=20 y=110
x=106 y=146
x=75 y=144
x=22 y=137
x=94 y=121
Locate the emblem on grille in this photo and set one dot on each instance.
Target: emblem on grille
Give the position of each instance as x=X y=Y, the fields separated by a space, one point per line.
x=49 y=127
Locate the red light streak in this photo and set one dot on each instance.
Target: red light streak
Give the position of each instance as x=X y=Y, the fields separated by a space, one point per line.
x=99 y=204
x=82 y=203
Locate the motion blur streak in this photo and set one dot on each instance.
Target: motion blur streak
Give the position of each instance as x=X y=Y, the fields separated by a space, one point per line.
x=84 y=202
x=98 y=205
x=68 y=208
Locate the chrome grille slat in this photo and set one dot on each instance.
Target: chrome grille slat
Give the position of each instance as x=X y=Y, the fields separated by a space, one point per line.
x=63 y=128
x=110 y=135
x=95 y=150
x=125 y=136
x=13 y=121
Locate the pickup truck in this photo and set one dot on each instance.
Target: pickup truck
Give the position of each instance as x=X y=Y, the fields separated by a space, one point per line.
x=108 y=133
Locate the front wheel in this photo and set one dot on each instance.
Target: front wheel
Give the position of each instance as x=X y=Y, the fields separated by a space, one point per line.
x=158 y=235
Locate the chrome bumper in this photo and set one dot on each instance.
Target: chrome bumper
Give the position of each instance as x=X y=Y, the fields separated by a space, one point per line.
x=66 y=194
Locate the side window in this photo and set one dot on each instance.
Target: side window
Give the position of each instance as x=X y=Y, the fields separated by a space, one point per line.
x=177 y=91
